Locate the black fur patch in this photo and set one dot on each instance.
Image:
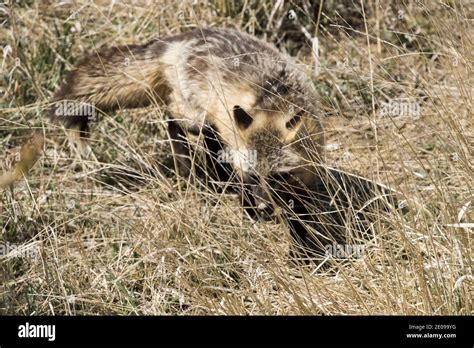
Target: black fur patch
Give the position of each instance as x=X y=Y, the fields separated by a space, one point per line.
x=242 y=118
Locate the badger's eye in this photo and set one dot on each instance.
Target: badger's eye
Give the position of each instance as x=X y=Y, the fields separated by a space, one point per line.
x=242 y=118
x=291 y=124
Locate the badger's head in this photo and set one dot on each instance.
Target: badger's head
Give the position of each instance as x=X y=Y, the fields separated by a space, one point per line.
x=275 y=144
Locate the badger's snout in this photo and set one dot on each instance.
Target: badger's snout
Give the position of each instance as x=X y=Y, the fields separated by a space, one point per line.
x=261 y=198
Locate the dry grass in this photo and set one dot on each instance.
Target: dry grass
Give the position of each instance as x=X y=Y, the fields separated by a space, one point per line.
x=158 y=245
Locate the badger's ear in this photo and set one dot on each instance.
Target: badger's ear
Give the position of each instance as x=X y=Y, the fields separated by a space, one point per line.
x=242 y=118
x=295 y=120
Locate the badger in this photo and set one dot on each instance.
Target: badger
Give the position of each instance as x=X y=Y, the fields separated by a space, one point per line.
x=258 y=100
x=253 y=105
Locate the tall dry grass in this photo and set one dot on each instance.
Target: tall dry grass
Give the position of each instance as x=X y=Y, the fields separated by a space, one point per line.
x=124 y=236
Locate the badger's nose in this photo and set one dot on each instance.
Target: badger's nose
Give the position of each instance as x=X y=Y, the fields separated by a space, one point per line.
x=262 y=203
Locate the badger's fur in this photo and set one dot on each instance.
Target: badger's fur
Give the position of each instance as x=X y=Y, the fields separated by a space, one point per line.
x=214 y=77
x=241 y=93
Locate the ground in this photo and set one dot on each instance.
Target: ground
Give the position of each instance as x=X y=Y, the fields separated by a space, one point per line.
x=124 y=236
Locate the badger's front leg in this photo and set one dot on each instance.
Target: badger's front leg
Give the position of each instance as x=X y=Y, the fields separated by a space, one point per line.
x=310 y=218
x=216 y=169
x=180 y=147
